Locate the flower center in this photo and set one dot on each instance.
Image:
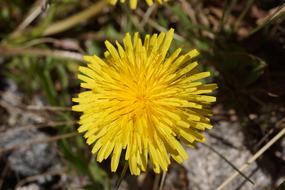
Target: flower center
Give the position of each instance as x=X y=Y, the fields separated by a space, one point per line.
x=142 y=99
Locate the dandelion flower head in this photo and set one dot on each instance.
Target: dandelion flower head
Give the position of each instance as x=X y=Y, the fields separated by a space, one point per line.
x=133 y=3
x=142 y=103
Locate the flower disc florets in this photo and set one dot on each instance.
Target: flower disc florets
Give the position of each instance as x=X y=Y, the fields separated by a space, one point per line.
x=143 y=102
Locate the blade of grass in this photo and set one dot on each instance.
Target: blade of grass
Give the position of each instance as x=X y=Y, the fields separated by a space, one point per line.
x=32 y=32
x=77 y=161
x=123 y=174
x=98 y=175
x=226 y=11
x=277 y=14
x=243 y=13
x=34 y=12
x=71 y=21
x=48 y=86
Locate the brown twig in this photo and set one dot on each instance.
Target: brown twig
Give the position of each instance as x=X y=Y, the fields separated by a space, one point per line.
x=156 y=181
x=22 y=107
x=38 y=141
x=35 y=177
x=46 y=108
x=64 y=43
x=157 y=26
x=42 y=125
x=35 y=11
x=10 y=108
x=11 y=51
x=147 y=15
x=162 y=180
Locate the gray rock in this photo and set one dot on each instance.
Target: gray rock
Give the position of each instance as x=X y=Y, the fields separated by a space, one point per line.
x=28 y=160
x=207 y=170
x=29 y=187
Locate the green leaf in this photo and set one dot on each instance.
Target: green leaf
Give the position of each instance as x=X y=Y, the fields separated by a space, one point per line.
x=94 y=186
x=183 y=18
x=98 y=174
x=75 y=159
x=240 y=69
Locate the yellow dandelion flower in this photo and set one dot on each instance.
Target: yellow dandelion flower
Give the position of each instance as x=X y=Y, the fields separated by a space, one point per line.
x=133 y=3
x=144 y=103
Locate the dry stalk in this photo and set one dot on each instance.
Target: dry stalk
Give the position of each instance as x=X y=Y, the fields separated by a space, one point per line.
x=38 y=141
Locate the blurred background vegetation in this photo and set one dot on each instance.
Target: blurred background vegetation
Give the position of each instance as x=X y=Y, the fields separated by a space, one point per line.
x=41 y=46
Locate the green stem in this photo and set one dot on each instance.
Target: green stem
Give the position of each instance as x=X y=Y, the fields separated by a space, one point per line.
x=123 y=174
x=226 y=11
